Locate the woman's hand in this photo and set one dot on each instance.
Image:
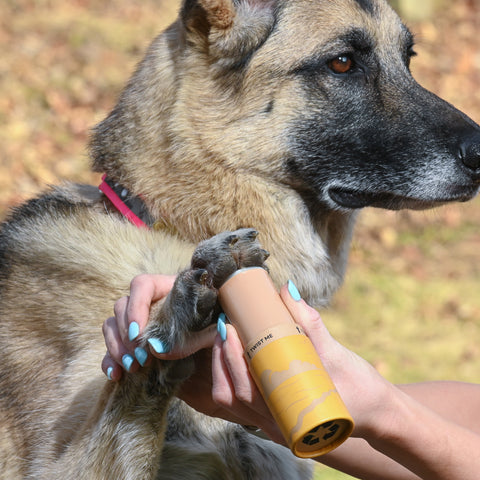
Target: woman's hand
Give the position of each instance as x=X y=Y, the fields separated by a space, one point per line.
x=130 y=319
x=384 y=415
x=363 y=390
x=221 y=385
x=226 y=389
x=361 y=387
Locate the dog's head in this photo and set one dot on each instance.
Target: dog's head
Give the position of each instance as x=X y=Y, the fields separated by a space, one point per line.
x=369 y=135
x=313 y=94
x=288 y=115
x=323 y=90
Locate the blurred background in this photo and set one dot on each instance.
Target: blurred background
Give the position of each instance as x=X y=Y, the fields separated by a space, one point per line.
x=410 y=303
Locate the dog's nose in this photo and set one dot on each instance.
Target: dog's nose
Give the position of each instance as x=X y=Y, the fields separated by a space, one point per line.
x=470 y=153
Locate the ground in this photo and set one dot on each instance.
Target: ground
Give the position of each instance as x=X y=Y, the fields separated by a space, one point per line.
x=410 y=303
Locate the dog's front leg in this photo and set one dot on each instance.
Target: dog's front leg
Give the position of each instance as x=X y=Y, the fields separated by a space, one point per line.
x=122 y=438
x=124 y=434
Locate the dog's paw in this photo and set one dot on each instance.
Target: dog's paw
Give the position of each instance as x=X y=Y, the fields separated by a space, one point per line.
x=227 y=252
x=188 y=307
x=192 y=303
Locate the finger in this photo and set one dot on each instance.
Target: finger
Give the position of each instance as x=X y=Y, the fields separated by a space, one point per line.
x=145 y=290
x=125 y=330
x=328 y=349
x=120 y=312
x=246 y=390
x=116 y=349
x=233 y=388
x=193 y=343
x=306 y=316
x=111 y=369
x=223 y=391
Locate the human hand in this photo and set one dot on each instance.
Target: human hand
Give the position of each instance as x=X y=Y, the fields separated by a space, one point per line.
x=362 y=389
x=122 y=331
x=227 y=390
x=244 y=404
x=130 y=318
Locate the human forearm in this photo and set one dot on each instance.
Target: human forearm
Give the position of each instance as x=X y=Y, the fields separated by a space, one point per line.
x=426 y=443
x=429 y=428
x=358 y=458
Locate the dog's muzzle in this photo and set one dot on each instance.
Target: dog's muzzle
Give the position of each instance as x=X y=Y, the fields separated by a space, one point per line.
x=449 y=189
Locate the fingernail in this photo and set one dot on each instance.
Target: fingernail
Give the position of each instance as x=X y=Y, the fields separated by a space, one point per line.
x=157 y=345
x=109 y=372
x=141 y=355
x=133 y=331
x=293 y=291
x=127 y=361
x=222 y=327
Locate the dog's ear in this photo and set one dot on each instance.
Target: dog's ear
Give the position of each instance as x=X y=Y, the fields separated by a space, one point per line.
x=201 y=15
x=227 y=27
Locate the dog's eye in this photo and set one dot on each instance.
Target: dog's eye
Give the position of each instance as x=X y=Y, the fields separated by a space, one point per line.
x=410 y=54
x=341 y=64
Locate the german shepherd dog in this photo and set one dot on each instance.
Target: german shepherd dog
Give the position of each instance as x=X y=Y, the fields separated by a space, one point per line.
x=288 y=116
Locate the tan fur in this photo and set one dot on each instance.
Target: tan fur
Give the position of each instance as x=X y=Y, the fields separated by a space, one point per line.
x=240 y=191
x=198 y=140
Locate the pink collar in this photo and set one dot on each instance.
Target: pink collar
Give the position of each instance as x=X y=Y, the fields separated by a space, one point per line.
x=131 y=207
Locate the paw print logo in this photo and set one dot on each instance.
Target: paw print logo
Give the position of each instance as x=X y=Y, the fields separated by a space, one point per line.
x=322 y=433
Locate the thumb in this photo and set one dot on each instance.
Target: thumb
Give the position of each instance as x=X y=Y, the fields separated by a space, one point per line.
x=307 y=317
x=193 y=343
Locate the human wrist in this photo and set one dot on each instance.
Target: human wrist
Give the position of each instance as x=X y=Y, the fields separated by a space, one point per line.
x=416 y=437
x=382 y=422
x=402 y=424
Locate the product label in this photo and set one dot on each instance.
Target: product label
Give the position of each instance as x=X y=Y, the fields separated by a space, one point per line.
x=269 y=335
x=301 y=395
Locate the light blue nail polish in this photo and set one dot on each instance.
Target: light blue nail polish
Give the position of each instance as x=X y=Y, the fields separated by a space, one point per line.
x=141 y=355
x=222 y=327
x=127 y=361
x=294 y=293
x=109 y=372
x=133 y=331
x=157 y=345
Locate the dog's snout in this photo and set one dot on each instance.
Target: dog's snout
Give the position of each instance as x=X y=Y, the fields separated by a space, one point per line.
x=470 y=153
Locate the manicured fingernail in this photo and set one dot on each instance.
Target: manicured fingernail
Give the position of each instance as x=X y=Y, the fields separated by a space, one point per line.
x=133 y=331
x=294 y=293
x=222 y=327
x=157 y=345
x=109 y=372
x=141 y=355
x=127 y=361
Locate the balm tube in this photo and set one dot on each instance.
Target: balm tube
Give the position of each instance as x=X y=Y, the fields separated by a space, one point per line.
x=285 y=366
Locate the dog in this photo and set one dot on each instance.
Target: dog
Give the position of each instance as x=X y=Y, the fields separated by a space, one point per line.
x=285 y=116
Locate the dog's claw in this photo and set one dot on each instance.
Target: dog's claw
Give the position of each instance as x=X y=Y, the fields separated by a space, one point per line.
x=203 y=278
x=233 y=240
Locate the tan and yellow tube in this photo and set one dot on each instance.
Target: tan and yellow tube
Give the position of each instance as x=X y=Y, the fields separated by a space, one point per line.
x=285 y=366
